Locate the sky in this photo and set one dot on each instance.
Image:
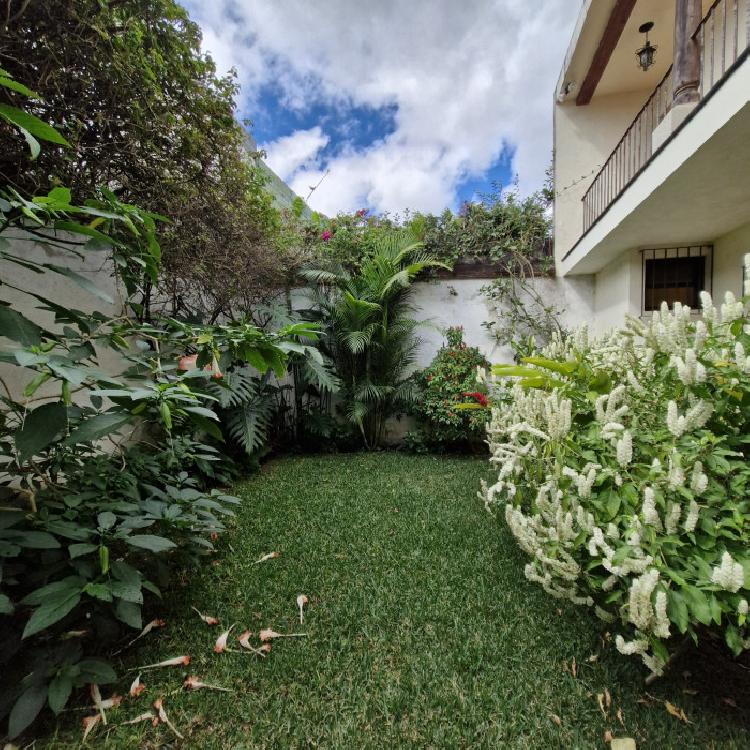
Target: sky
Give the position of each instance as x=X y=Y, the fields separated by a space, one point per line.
x=394 y=104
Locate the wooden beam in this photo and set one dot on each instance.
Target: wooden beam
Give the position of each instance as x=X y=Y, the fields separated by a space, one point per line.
x=612 y=33
x=686 y=72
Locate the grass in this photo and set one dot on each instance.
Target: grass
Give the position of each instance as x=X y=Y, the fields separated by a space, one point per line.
x=423 y=631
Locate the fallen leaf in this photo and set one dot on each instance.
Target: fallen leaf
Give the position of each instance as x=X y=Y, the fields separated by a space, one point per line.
x=619 y=717
x=676 y=712
x=208 y=619
x=301 y=601
x=193 y=683
x=269 y=556
x=157 y=623
x=556 y=719
x=730 y=702
x=607 y=698
x=73 y=634
x=136 y=687
x=89 y=722
x=269 y=635
x=175 y=662
x=159 y=706
x=574 y=668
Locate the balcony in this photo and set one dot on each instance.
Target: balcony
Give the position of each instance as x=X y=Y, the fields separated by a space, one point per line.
x=723 y=39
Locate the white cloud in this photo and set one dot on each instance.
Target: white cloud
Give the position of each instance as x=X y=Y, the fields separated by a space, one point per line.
x=467 y=79
x=290 y=153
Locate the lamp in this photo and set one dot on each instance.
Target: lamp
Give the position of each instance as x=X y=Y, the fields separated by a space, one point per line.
x=646 y=53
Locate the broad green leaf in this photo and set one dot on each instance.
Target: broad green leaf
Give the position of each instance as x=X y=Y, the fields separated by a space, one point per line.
x=6 y=606
x=150 y=542
x=50 y=613
x=106 y=520
x=81 y=281
x=564 y=368
x=97 y=427
x=59 y=692
x=56 y=590
x=96 y=670
x=129 y=613
x=9 y=83
x=677 y=610
x=698 y=604
x=38 y=128
x=130 y=592
x=35 y=540
x=79 y=550
x=16 y=327
x=26 y=709
x=42 y=427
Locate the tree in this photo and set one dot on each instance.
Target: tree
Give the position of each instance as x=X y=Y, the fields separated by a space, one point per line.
x=125 y=83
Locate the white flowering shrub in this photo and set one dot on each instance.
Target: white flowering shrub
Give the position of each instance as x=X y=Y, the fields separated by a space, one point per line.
x=623 y=475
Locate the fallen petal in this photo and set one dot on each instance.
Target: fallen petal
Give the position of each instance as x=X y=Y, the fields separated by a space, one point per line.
x=193 y=683
x=244 y=640
x=208 y=619
x=221 y=641
x=268 y=635
x=301 y=601
x=89 y=722
x=269 y=556
x=176 y=662
x=148 y=716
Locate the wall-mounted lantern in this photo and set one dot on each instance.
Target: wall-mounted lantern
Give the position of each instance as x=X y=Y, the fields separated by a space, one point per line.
x=646 y=53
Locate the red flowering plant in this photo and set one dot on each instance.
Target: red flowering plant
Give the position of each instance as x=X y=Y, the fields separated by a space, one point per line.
x=448 y=385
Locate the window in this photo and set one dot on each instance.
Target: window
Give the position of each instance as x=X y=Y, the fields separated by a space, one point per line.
x=676 y=275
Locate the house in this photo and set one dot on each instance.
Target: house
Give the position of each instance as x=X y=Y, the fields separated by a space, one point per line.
x=652 y=153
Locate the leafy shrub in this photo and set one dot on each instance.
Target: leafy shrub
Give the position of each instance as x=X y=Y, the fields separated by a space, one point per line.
x=451 y=379
x=624 y=476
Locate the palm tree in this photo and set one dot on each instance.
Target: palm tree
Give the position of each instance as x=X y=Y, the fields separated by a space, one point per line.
x=370 y=331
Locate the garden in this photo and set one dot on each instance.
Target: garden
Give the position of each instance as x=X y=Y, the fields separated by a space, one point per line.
x=214 y=528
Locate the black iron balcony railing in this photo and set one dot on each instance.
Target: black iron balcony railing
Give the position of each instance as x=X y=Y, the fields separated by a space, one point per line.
x=723 y=37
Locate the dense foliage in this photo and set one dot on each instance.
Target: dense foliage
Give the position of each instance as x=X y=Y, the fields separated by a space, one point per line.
x=145 y=114
x=366 y=317
x=624 y=476
x=450 y=380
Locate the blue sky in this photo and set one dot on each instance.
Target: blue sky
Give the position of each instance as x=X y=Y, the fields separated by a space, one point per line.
x=420 y=105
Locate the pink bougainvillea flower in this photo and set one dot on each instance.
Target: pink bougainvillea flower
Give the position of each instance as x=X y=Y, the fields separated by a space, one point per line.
x=208 y=619
x=187 y=362
x=269 y=556
x=361 y=213
x=89 y=722
x=269 y=635
x=177 y=661
x=221 y=642
x=194 y=683
x=326 y=235
x=163 y=718
x=136 y=687
x=244 y=641
x=301 y=601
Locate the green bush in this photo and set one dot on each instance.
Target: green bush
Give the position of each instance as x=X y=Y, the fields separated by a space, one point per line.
x=623 y=474
x=450 y=380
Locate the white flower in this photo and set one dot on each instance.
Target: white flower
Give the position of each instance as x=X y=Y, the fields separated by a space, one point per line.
x=672 y=519
x=628 y=648
x=691 y=519
x=650 y=514
x=709 y=311
x=742 y=607
x=729 y=575
x=625 y=449
x=698 y=480
x=731 y=309
x=661 y=626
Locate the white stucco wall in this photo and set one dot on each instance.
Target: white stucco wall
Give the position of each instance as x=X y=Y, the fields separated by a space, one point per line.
x=459 y=302
x=584 y=139
x=95 y=267
x=729 y=255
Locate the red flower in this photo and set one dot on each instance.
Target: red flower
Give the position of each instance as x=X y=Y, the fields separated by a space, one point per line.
x=361 y=213
x=480 y=398
x=326 y=235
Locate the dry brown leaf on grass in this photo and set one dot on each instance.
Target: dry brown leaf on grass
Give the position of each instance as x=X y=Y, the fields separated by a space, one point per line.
x=221 y=642
x=607 y=698
x=164 y=719
x=573 y=668
x=600 y=701
x=136 y=687
x=208 y=619
x=619 y=717
x=177 y=661
x=269 y=556
x=676 y=712
x=194 y=683
x=556 y=719
x=268 y=635
x=301 y=601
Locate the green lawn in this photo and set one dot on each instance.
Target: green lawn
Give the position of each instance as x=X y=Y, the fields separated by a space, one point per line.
x=423 y=631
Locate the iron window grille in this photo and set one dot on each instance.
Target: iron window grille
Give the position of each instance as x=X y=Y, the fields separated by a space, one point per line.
x=676 y=274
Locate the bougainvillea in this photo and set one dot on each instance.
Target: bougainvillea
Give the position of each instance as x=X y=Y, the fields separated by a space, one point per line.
x=623 y=475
